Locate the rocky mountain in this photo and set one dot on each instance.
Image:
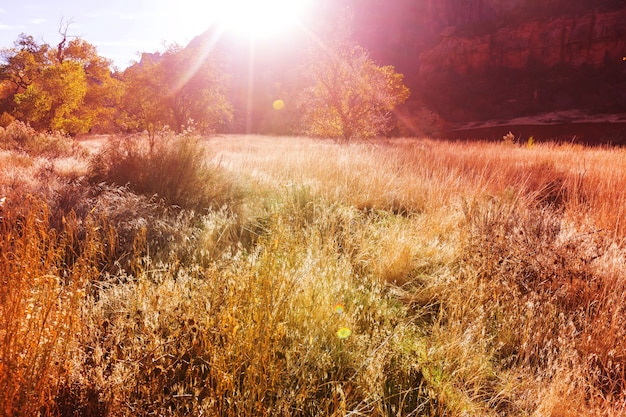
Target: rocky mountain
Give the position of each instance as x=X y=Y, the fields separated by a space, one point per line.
x=471 y=60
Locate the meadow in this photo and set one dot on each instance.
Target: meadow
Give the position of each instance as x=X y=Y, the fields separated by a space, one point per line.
x=254 y=275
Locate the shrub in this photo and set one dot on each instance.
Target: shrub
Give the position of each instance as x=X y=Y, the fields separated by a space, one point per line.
x=174 y=169
x=133 y=226
x=136 y=229
x=20 y=136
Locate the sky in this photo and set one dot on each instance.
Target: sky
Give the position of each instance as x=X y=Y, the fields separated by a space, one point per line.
x=120 y=29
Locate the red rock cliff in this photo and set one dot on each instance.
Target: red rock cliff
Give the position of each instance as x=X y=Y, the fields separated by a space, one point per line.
x=483 y=59
x=592 y=40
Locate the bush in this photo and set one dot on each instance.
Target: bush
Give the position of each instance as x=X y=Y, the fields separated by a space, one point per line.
x=133 y=226
x=21 y=137
x=174 y=169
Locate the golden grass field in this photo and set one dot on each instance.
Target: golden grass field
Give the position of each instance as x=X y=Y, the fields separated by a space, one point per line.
x=252 y=275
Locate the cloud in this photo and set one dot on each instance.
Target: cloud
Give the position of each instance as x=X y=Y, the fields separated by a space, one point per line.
x=38 y=21
x=2 y=10
x=11 y=27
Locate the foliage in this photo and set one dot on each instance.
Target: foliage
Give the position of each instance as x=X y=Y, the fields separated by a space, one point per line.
x=70 y=89
x=100 y=107
x=23 y=61
x=348 y=95
x=142 y=104
x=178 y=89
x=52 y=101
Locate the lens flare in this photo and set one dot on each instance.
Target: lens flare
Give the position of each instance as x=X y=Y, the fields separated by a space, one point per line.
x=278 y=104
x=344 y=333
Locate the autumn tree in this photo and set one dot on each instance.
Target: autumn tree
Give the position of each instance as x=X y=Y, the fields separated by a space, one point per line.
x=101 y=104
x=51 y=102
x=44 y=91
x=347 y=95
x=19 y=68
x=179 y=88
x=21 y=64
x=142 y=106
x=197 y=89
x=68 y=87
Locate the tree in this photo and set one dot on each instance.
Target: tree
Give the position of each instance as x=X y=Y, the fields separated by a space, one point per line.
x=22 y=63
x=142 y=104
x=52 y=101
x=196 y=89
x=348 y=95
x=68 y=88
x=20 y=67
x=181 y=87
x=101 y=104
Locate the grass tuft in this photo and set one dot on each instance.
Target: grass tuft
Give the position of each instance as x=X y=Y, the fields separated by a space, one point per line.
x=176 y=169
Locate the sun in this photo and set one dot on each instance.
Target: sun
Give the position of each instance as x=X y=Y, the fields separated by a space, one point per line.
x=259 y=18
x=250 y=19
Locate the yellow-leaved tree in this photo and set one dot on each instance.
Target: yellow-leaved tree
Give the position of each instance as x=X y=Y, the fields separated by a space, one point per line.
x=347 y=95
x=67 y=88
x=180 y=88
x=51 y=102
x=101 y=104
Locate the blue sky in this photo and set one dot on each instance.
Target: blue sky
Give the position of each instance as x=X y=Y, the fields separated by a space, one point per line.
x=120 y=29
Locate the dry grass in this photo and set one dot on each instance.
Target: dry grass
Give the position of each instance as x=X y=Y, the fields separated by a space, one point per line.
x=400 y=277
x=176 y=170
x=44 y=277
x=524 y=252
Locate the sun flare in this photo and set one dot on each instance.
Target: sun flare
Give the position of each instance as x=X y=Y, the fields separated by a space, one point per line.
x=259 y=18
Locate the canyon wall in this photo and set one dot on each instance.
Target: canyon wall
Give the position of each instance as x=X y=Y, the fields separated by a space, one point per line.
x=593 y=40
x=488 y=59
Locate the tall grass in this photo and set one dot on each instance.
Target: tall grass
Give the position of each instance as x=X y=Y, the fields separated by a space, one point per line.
x=255 y=334
x=45 y=274
x=175 y=169
x=534 y=242
x=288 y=276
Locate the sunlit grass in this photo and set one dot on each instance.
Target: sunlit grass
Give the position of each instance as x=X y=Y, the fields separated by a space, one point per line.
x=392 y=277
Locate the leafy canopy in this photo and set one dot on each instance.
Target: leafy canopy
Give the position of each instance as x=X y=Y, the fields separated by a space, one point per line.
x=348 y=95
x=178 y=88
x=69 y=88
